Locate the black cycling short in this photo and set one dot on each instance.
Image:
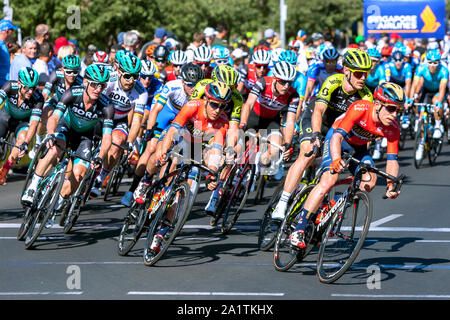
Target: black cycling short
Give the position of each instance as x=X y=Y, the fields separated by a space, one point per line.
x=306 y=131
x=9 y=124
x=258 y=123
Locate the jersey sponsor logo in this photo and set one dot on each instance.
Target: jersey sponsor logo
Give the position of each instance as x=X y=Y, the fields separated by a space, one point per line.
x=83 y=113
x=364 y=134
x=115 y=97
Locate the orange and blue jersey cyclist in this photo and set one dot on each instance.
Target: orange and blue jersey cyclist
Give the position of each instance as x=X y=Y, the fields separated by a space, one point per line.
x=363 y=122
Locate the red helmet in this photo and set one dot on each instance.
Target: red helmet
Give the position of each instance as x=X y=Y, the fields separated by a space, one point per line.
x=100 y=57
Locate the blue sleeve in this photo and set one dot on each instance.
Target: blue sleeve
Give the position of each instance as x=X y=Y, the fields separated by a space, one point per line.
x=407 y=71
x=300 y=84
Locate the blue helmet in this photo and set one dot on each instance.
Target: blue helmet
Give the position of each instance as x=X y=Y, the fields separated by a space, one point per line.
x=220 y=52
x=330 y=54
x=288 y=56
x=374 y=53
x=433 y=55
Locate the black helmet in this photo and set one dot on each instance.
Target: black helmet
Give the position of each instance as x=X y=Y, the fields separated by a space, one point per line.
x=161 y=53
x=191 y=73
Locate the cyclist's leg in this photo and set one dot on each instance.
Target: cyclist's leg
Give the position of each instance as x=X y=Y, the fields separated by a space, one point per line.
x=20 y=134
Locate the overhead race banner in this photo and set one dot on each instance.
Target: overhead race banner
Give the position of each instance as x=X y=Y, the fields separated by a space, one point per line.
x=408 y=18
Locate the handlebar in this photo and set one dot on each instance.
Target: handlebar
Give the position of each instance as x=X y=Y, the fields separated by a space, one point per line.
x=3 y=141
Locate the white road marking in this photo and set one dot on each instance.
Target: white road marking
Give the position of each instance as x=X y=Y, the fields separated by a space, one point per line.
x=391 y=217
x=40 y=293
x=383 y=296
x=181 y=293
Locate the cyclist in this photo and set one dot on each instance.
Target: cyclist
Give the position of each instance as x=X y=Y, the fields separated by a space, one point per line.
x=221 y=55
x=59 y=81
x=250 y=73
x=201 y=119
x=164 y=109
x=203 y=57
x=161 y=57
x=430 y=80
x=363 y=122
x=337 y=93
x=150 y=83
x=129 y=98
x=177 y=59
x=21 y=105
x=262 y=110
x=378 y=72
x=72 y=125
x=101 y=57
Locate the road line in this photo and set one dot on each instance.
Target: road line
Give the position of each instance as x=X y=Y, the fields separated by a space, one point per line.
x=180 y=293
x=382 y=296
x=384 y=220
x=40 y=293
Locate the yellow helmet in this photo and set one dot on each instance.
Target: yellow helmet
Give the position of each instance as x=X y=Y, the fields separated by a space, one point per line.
x=357 y=60
x=226 y=74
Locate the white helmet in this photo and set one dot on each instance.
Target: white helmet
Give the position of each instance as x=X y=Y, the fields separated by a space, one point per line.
x=178 y=57
x=283 y=70
x=202 y=54
x=148 y=68
x=261 y=57
x=275 y=54
x=100 y=57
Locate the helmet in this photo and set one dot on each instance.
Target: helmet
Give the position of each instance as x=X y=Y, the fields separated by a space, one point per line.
x=120 y=54
x=226 y=74
x=191 y=73
x=178 y=57
x=289 y=56
x=389 y=92
x=218 y=91
x=398 y=55
x=71 y=61
x=161 y=53
x=374 y=53
x=220 y=52
x=330 y=54
x=310 y=53
x=100 y=57
x=28 y=77
x=357 y=60
x=294 y=44
x=284 y=71
x=202 y=54
x=148 y=68
x=130 y=63
x=433 y=55
x=316 y=36
x=261 y=57
x=97 y=73
x=275 y=54
x=406 y=51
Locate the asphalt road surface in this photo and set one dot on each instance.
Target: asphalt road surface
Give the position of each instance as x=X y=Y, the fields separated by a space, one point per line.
x=406 y=254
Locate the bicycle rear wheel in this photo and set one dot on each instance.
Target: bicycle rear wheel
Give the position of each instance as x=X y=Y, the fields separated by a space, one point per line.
x=44 y=212
x=268 y=228
x=435 y=150
x=110 y=183
x=238 y=198
x=177 y=205
x=25 y=226
x=418 y=141
x=284 y=256
x=344 y=237
x=32 y=167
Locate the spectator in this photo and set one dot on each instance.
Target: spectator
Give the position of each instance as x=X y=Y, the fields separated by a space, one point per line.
x=271 y=38
x=159 y=38
x=210 y=36
x=113 y=51
x=23 y=59
x=6 y=28
x=41 y=64
x=317 y=39
x=172 y=44
x=197 y=41
x=130 y=41
x=371 y=41
x=42 y=33
x=222 y=32
x=65 y=51
x=88 y=58
x=76 y=46
x=13 y=48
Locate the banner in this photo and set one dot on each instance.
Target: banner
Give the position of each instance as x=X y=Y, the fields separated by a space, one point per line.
x=409 y=19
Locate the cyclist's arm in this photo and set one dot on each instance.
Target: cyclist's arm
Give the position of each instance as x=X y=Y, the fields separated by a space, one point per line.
x=247 y=107
x=60 y=108
x=108 y=124
x=49 y=85
x=442 y=89
x=34 y=120
x=316 y=118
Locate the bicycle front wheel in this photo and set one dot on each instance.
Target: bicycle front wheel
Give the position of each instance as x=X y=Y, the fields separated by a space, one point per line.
x=418 y=141
x=176 y=210
x=344 y=237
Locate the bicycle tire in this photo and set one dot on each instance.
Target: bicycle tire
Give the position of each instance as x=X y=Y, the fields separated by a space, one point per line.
x=268 y=229
x=435 y=150
x=284 y=257
x=150 y=257
x=420 y=127
x=259 y=192
x=43 y=213
x=25 y=225
x=32 y=167
x=238 y=196
x=110 y=182
x=119 y=177
x=330 y=265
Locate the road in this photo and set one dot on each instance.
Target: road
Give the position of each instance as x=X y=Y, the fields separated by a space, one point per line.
x=406 y=255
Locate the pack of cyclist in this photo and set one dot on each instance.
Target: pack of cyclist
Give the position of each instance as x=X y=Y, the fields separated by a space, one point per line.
x=142 y=105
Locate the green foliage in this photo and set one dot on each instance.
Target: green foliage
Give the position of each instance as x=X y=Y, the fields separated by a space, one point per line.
x=102 y=20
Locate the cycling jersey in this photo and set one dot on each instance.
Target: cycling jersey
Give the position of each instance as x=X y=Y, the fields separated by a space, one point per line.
x=299 y=83
x=268 y=105
x=318 y=72
x=170 y=74
x=432 y=81
x=71 y=110
x=376 y=77
x=193 y=117
x=57 y=81
x=125 y=101
x=399 y=76
x=248 y=76
x=153 y=89
x=234 y=107
x=29 y=109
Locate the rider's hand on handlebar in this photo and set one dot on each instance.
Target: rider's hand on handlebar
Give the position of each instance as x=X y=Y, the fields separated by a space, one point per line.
x=23 y=149
x=390 y=191
x=50 y=141
x=337 y=166
x=287 y=151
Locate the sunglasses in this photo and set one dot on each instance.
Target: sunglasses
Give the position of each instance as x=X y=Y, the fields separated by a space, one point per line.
x=143 y=76
x=221 y=62
x=433 y=63
x=130 y=76
x=261 y=66
x=201 y=63
x=390 y=108
x=97 y=85
x=190 y=84
x=398 y=60
x=177 y=66
x=216 y=105
x=331 y=62
x=70 y=72
x=284 y=83
x=27 y=88
x=360 y=74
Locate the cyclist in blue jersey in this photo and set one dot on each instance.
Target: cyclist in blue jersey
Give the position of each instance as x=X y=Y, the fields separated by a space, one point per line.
x=430 y=86
x=377 y=74
x=150 y=83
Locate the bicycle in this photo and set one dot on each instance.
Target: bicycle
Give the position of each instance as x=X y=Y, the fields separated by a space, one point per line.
x=406 y=119
x=5 y=145
x=117 y=173
x=424 y=135
x=340 y=232
x=42 y=208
